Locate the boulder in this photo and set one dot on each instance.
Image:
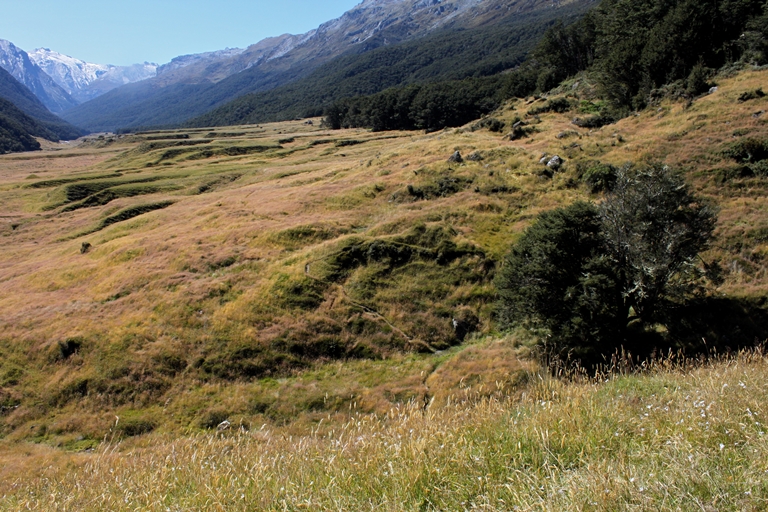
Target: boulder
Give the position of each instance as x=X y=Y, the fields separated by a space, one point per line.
x=554 y=163
x=456 y=158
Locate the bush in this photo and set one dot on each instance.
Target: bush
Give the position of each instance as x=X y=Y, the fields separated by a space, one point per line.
x=747 y=150
x=491 y=124
x=559 y=105
x=654 y=229
x=698 y=80
x=583 y=274
x=557 y=278
x=600 y=177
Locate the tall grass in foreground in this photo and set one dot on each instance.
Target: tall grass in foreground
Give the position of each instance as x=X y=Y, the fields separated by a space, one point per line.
x=685 y=438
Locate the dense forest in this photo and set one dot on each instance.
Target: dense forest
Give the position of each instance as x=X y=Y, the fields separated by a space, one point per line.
x=630 y=48
x=15 y=129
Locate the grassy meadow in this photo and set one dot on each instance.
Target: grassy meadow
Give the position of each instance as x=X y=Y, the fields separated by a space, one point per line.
x=303 y=284
x=678 y=438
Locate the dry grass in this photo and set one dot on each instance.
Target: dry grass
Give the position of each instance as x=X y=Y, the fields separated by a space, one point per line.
x=684 y=438
x=222 y=272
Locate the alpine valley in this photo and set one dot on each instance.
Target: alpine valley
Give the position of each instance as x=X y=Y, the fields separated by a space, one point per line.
x=431 y=255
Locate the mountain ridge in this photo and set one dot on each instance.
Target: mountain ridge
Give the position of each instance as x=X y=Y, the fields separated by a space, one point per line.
x=18 y=63
x=282 y=60
x=84 y=80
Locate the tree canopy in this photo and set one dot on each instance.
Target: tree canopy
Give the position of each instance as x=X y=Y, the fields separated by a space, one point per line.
x=585 y=273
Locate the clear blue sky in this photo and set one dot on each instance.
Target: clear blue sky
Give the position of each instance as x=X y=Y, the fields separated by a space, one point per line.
x=125 y=32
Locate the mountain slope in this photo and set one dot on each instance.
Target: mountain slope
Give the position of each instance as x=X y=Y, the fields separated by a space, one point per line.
x=84 y=80
x=17 y=63
x=16 y=129
x=278 y=61
x=15 y=92
x=445 y=55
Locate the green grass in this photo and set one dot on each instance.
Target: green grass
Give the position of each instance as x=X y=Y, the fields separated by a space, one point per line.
x=677 y=438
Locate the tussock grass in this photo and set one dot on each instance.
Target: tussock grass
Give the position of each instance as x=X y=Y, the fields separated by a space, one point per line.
x=238 y=285
x=676 y=438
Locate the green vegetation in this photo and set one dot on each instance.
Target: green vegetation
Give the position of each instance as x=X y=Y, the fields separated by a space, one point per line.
x=15 y=130
x=45 y=124
x=333 y=298
x=594 y=277
x=636 y=47
x=632 y=50
x=678 y=438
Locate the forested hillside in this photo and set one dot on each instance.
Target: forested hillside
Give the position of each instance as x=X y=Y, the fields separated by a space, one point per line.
x=635 y=52
x=50 y=127
x=448 y=55
x=16 y=129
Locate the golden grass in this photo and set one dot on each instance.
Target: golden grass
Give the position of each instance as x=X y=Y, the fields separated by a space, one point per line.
x=685 y=438
x=158 y=295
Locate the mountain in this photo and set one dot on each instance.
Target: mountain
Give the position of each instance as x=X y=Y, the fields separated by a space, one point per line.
x=16 y=129
x=17 y=62
x=85 y=81
x=445 y=55
x=181 y=93
x=16 y=93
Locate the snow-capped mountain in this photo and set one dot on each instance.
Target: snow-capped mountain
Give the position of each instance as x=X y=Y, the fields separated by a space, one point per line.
x=17 y=62
x=192 y=85
x=84 y=80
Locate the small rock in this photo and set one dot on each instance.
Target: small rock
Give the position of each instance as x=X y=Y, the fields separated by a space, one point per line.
x=758 y=114
x=475 y=157
x=713 y=90
x=224 y=425
x=554 y=163
x=544 y=159
x=456 y=158
x=518 y=124
x=85 y=247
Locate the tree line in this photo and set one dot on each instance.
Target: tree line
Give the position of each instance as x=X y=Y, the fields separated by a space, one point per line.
x=630 y=47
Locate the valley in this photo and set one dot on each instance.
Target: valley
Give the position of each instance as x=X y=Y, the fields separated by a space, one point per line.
x=287 y=283
x=252 y=252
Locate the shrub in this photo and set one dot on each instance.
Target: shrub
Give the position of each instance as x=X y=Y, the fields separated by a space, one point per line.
x=654 y=229
x=595 y=121
x=558 y=278
x=131 y=427
x=698 y=80
x=491 y=124
x=583 y=274
x=747 y=150
x=600 y=177
x=751 y=95
x=559 y=105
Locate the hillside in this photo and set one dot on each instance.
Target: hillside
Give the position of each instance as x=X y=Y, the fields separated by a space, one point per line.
x=17 y=62
x=178 y=95
x=680 y=438
x=16 y=130
x=446 y=55
x=50 y=126
x=183 y=278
